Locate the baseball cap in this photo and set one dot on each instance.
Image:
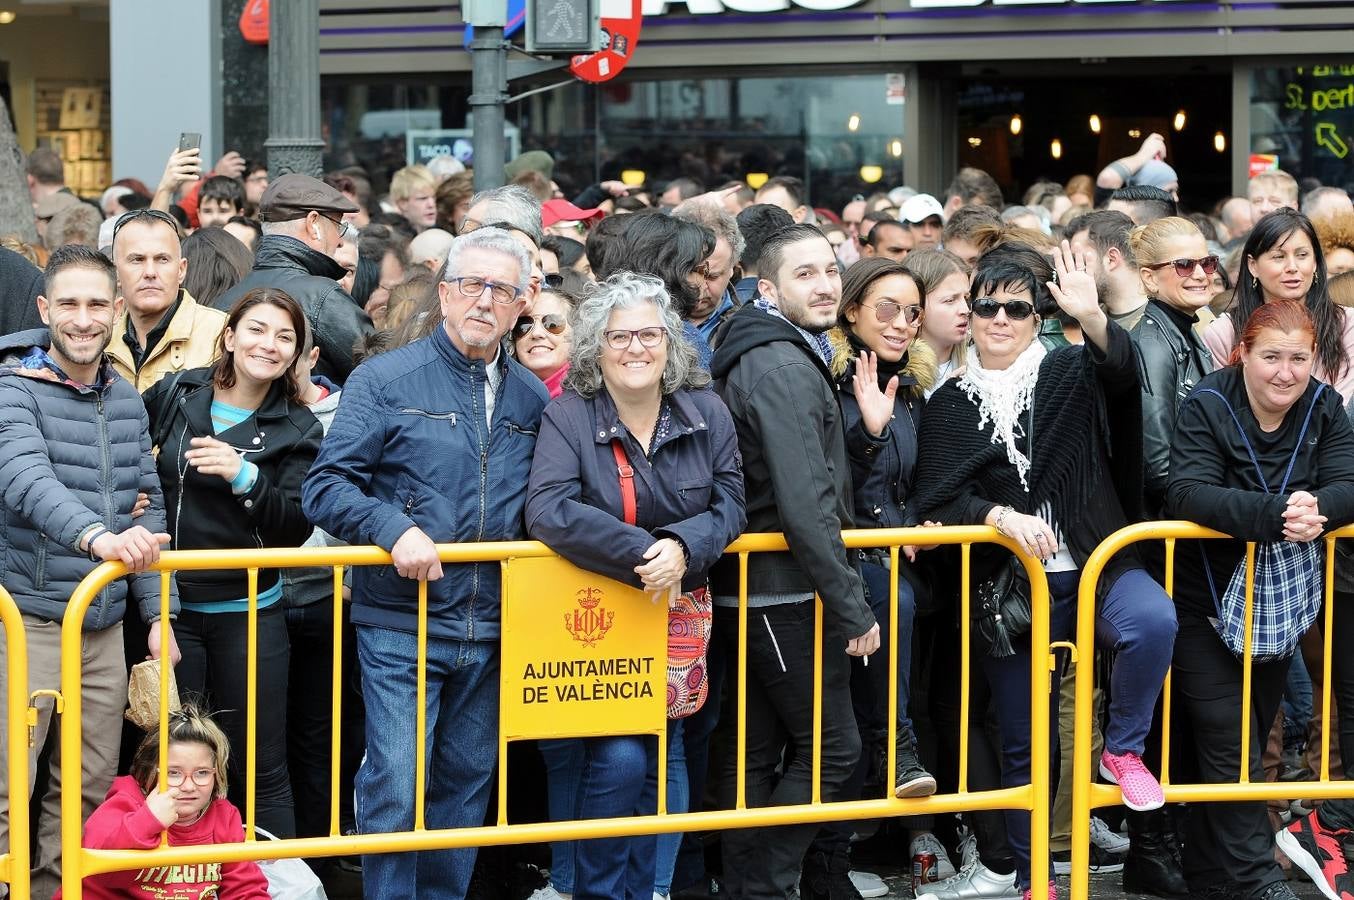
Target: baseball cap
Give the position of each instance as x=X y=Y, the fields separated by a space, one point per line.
x=293 y=195
x=553 y=211
x=920 y=207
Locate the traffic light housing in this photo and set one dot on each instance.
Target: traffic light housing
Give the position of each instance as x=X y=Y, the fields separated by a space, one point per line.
x=563 y=27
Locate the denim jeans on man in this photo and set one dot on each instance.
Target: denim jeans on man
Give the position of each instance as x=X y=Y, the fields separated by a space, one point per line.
x=1137 y=621
x=461 y=744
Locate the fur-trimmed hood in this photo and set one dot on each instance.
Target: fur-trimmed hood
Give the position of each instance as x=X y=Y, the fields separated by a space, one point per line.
x=921 y=366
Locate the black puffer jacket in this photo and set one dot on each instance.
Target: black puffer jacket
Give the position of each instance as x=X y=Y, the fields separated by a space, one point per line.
x=281 y=438
x=311 y=279
x=73 y=458
x=1170 y=364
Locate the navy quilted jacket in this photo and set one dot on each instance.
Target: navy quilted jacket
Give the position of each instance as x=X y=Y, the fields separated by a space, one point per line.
x=72 y=458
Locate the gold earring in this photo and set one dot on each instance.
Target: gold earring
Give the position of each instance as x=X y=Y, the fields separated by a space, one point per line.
x=1255 y=282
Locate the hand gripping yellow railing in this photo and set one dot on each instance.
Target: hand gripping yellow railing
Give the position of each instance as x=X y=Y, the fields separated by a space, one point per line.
x=14 y=861
x=1086 y=794
x=78 y=862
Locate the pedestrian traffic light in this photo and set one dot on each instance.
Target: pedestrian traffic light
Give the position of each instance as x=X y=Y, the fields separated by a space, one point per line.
x=563 y=26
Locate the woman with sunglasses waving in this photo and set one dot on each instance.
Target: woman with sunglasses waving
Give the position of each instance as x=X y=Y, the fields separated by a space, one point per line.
x=235 y=442
x=1176 y=270
x=636 y=477
x=1046 y=446
x=1283 y=261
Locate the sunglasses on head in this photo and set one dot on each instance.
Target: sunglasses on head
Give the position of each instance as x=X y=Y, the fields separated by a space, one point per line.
x=140 y=214
x=553 y=323
x=886 y=311
x=1016 y=310
x=1185 y=267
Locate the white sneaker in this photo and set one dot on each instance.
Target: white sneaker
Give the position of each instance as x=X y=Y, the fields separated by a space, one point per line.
x=926 y=842
x=975 y=882
x=1110 y=841
x=867 y=883
x=549 y=893
x=968 y=850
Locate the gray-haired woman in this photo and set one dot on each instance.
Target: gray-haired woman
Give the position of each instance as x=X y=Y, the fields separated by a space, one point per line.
x=633 y=389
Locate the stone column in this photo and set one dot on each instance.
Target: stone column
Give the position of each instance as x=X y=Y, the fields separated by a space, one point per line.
x=294 y=143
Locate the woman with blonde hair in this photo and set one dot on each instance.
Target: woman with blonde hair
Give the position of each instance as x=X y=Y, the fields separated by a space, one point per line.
x=1176 y=270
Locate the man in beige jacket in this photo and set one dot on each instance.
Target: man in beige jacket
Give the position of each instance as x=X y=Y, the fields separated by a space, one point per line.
x=162 y=330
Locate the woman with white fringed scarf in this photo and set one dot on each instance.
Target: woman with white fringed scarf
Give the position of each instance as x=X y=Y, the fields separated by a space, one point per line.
x=1046 y=446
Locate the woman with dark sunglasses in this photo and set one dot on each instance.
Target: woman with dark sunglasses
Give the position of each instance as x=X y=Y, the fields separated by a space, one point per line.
x=540 y=340
x=1046 y=446
x=1176 y=270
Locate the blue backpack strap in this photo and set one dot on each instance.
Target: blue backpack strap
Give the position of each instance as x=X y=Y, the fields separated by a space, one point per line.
x=1241 y=431
x=1302 y=435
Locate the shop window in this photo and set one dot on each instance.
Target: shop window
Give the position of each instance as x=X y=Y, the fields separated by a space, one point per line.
x=1302 y=121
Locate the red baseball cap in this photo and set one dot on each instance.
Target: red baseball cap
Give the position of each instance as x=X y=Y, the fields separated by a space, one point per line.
x=553 y=211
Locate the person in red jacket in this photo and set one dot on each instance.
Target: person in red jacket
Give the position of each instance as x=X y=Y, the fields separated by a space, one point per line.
x=193 y=809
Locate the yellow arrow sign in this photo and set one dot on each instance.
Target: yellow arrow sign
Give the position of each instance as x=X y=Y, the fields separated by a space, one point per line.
x=1328 y=137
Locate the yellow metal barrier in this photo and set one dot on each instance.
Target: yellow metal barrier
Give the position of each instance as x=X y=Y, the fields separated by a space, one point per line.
x=14 y=862
x=1086 y=794
x=79 y=862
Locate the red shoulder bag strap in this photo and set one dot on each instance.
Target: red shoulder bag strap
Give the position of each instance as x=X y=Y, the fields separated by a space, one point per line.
x=626 y=472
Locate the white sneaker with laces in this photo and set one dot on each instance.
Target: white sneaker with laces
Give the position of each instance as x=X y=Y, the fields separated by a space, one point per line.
x=926 y=842
x=975 y=882
x=867 y=883
x=968 y=850
x=1110 y=841
x=549 y=893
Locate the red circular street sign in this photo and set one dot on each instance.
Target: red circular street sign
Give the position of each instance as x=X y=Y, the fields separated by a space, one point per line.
x=620 y=37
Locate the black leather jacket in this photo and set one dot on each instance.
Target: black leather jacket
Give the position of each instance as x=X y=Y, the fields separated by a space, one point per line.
x=1170 y=364
x=311 y=279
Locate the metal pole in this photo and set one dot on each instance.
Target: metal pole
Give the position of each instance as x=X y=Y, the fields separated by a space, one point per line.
x=294 y=143
x=489 y=90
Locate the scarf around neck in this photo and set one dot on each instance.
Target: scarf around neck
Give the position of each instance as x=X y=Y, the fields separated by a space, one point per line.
x=1002 y=397
x=817 y=342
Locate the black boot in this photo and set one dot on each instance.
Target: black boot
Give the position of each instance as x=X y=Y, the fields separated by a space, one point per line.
x=1152 y=865
x=913 y=780
x=826 y=878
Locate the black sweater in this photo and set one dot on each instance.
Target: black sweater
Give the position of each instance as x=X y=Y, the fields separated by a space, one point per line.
x=1214 y=483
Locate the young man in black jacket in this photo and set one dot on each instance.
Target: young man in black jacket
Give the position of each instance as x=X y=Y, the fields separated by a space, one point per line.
x=771 y=369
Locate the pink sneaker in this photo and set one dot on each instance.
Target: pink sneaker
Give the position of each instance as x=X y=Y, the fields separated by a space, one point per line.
x=1052 y=892
x=1142 y=792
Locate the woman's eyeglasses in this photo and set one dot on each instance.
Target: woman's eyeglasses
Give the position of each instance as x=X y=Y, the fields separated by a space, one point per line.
x=622 y=338
x=1016 y=310
x=1185 y=267
x=200 y=777
x=886 y=311
x=553 y=323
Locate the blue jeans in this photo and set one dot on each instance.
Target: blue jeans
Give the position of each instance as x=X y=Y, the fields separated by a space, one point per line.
x=461 y=745
x=1137 y=621
x=620 y=778
x=875 y=722
x=679 y=801
x=563 y=772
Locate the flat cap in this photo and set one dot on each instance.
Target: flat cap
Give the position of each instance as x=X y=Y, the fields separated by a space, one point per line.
x=292 y=196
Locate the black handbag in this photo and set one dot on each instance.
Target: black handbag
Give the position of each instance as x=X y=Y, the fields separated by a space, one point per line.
x=1001 y=610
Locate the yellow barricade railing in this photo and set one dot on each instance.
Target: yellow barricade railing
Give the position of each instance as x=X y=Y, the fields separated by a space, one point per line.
x=79 y=862
x=1086 y=794
x=14 y=861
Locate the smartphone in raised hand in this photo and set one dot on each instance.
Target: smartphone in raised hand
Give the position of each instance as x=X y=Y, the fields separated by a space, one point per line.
x=190 y=140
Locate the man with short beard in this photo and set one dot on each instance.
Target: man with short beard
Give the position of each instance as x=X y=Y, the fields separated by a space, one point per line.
x=77 y=453
x=771 y=368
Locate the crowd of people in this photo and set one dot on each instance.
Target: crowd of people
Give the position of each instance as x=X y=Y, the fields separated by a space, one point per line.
x=636 y=377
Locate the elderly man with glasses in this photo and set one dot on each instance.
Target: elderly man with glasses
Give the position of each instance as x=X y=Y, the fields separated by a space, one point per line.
x=432 y=443
x=162 y=329
x=303 y=227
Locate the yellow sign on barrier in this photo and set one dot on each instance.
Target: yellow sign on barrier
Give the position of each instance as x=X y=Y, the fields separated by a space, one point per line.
x=585 y=656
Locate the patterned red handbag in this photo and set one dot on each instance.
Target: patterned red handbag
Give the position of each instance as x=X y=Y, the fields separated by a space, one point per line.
x=689 y=619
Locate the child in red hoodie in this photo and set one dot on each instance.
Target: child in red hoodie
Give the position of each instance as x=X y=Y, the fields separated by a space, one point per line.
x=193 y=809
